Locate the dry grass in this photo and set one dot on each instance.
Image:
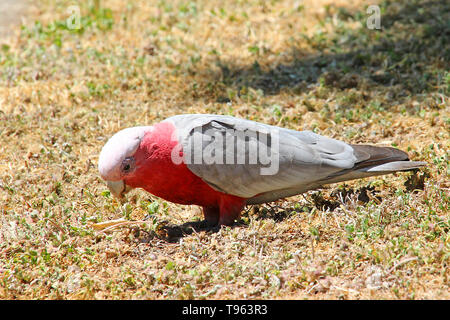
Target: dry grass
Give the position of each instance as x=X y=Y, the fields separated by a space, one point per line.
x=299 y=64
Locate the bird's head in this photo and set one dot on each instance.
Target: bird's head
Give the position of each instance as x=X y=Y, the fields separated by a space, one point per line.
x=117 y=159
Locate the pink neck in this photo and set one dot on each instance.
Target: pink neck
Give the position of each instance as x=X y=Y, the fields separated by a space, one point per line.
x=157 y=174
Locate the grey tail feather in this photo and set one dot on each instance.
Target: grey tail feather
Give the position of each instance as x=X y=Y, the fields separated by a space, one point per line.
x=374 y=161
x=379 y=159
x=369 y=156
x=395 y=166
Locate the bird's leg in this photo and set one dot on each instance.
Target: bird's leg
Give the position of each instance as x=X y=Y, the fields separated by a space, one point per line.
x=212 y=215
x=230 y=209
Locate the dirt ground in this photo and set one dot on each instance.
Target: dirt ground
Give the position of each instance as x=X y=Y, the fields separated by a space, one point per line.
x=11 y=14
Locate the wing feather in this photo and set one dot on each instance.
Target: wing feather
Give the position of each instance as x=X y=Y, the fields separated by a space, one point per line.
x=302 y=157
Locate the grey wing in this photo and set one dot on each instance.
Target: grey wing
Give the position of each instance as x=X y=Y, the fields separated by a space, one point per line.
x=246 y=158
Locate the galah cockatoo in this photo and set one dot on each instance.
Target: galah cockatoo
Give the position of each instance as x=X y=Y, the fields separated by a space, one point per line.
x=222 y=163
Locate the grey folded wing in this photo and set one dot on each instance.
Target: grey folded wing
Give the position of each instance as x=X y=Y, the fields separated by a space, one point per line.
x=249 y=159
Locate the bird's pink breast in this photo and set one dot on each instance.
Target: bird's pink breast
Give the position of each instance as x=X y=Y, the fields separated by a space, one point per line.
x=159 y=175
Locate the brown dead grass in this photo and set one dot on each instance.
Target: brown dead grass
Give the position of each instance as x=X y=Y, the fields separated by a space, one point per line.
x=62 y=94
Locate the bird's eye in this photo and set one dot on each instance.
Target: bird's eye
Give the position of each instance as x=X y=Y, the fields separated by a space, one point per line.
x=127 y=165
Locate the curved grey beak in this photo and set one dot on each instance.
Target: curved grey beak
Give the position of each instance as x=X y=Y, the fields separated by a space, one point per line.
x=117 y=188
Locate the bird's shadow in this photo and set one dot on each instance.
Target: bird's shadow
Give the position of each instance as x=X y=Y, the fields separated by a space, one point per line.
x=279 y=212
x=173 y=233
